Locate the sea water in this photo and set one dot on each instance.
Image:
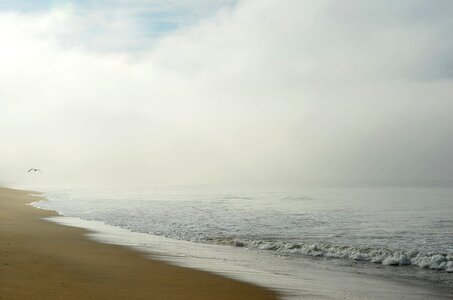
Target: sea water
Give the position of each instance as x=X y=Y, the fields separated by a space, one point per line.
x=399 y=230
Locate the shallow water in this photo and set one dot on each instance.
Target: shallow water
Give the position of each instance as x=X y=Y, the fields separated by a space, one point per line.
x=351 y=228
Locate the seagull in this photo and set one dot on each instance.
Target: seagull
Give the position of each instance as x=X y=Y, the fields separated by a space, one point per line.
x=34 y=170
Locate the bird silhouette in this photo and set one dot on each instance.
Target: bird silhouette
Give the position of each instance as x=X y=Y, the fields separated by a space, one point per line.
x=34 y=170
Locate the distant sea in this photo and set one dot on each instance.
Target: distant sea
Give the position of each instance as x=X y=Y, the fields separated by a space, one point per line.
x=403 y=229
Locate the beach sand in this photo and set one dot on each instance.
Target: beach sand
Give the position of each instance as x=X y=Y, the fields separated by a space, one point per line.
x=43 y=260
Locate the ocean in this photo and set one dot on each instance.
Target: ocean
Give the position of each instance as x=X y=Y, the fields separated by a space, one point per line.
x=395 y=234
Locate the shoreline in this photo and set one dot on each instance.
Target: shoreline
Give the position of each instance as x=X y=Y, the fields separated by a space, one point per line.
x=44 y=260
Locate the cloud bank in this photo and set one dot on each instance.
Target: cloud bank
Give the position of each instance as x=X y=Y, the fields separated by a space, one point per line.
x=262 y=91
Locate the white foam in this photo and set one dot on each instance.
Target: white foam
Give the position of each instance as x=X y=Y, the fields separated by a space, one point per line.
x=431 y=260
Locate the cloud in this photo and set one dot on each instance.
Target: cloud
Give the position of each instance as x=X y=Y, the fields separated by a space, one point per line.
x=306 y=91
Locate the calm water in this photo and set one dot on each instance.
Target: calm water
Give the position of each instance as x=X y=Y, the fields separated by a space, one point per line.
x=387 y=225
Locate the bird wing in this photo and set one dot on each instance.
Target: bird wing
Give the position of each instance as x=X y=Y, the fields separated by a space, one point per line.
x=30 y=170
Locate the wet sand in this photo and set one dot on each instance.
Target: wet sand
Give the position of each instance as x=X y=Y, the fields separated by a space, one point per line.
x=43 y=260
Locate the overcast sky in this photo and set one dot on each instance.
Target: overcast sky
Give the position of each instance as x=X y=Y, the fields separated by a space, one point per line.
x=217 y=91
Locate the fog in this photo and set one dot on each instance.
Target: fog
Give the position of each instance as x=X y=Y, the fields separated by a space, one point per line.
x=258 y=91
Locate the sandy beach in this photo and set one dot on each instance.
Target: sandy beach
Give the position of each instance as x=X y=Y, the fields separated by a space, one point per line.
x=42 y=260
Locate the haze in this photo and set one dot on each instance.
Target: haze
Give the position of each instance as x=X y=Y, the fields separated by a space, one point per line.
x=194 y=92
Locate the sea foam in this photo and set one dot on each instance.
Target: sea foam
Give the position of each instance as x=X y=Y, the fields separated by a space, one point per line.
x=431 y=260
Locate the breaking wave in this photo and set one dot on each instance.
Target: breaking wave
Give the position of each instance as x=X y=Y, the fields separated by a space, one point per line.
x=431 y=260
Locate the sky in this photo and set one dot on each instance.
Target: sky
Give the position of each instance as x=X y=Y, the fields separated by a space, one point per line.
x=218 y=91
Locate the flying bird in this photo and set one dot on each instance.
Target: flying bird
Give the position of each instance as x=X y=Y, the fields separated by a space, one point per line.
x=34 y=170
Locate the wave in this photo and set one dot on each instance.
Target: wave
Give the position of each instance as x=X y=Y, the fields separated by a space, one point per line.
x=431 y=260
x=394 y=257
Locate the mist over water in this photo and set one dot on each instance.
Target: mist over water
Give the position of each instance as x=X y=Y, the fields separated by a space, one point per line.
x=226 y=92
